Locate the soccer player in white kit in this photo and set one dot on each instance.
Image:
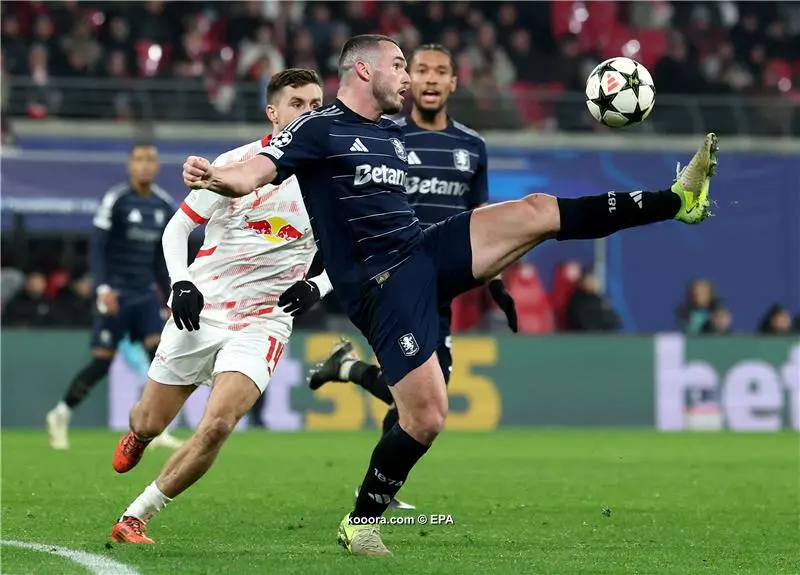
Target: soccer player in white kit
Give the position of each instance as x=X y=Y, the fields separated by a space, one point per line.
x=255 y=248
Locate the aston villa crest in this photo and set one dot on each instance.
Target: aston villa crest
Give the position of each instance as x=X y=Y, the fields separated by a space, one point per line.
x=399 y=149
x=461 y=160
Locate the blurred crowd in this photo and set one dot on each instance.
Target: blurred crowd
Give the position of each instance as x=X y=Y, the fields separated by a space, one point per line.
x=704 y=312
x=516 y=58
x=54 y=297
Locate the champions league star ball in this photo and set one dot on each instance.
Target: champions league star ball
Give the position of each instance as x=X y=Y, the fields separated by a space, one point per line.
x=620 y=92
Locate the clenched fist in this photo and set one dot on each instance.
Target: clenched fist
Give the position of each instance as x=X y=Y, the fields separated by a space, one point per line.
x=197 y=172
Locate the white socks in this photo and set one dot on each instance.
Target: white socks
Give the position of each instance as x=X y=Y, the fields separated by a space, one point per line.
x=150 y=502
x=63 y=409
x=344 y=370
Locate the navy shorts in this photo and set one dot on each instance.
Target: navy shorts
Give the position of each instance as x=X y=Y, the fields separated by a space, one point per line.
x=137 y=320
x=444 y=352
x=401 y=318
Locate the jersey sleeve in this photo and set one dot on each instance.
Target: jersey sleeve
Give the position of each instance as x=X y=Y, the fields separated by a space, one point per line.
x=200 y=204
x=479 y=190
x=303 y=141
x=104 y=216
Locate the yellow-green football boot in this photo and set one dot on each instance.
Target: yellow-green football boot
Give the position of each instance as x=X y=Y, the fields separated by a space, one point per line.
x=361 y=539
x=693 y=181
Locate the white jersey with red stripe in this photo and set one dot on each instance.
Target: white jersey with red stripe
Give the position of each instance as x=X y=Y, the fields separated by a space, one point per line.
x=255 y=247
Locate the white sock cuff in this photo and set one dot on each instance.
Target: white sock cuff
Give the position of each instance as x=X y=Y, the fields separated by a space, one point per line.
x=344 y=370
x=156 y=492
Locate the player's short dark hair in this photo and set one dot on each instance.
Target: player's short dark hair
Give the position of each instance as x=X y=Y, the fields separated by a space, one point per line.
x=358 y=44
x=140 y=144
x=291 y=77
x=437 y=48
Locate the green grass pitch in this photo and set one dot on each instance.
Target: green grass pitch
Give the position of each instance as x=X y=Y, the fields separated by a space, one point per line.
x=533 y=501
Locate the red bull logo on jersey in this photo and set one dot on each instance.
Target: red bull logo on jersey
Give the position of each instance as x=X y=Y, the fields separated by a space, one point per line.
x=275 y=230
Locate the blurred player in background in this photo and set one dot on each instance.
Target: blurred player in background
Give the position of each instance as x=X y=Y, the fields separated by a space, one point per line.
x=447 y=174
x=127 y=263
x=255 y=247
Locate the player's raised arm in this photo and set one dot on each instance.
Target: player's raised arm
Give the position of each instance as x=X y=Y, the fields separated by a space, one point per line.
x=187 y=300
x=233 y=180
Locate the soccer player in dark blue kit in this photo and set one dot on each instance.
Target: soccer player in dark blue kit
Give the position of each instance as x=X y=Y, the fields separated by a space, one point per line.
x=447 y=174
x=390 y=276
x=127 y=264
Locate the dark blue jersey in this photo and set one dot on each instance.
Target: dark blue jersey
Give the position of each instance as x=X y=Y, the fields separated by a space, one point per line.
x=126 y=247
x=352 y=174
x=447 y=170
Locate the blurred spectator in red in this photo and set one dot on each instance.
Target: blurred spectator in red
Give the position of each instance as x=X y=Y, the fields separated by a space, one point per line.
x=589 y=310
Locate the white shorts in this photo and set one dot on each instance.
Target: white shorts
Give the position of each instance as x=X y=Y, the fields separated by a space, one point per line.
x=196 y=357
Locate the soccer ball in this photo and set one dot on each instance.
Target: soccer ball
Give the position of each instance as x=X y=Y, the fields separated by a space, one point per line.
x=620 y=92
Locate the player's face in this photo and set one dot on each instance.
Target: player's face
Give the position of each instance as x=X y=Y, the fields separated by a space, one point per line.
x=390 y=81
x=293 y=103
x=143 y=164
x=432 y=80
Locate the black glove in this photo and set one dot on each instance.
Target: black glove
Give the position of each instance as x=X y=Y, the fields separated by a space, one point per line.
x=299 y=298
x=187 y=303
x=504 y=300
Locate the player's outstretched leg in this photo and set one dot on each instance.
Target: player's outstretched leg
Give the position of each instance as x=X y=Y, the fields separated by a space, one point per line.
x=502 y=233
x=344 y=365
x=232 y=397
x=81 y=385
x=157 y=407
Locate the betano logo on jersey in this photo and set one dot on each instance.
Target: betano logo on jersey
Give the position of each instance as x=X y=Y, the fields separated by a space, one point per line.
x=417 y=185
x=366 y=173
x=275 y=230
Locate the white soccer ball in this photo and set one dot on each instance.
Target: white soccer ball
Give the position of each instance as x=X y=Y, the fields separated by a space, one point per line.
x=620 y=93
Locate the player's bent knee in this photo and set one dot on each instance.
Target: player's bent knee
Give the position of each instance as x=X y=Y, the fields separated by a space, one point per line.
x=215 y=430
x=542 y=216
x=424 y=425
x=146 y=424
